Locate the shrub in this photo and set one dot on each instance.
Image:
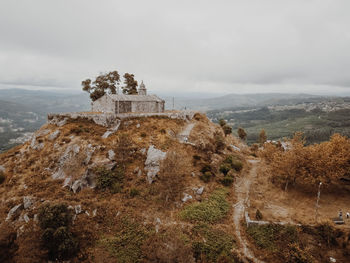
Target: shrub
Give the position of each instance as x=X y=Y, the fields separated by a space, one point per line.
x=134 y=192
x=2 y=177
x=233 y=162
x=208 y=211
x=242 y=133
x=219 y=142
x=271 y=236
x=258 y=215
x=54 y=216
x=143 y=134
x=108 y=179
x=327 y=232
x=60 y=243
x=298 y=255
x=227 y=180
x=213 y=245
x=227 y=130
x=225 y=168
x=55 y=221
x=206 y=177
x=237 y=165
x=196 y=157
x=163 y=131
x=206 y=168
x=222 y=122
x=126 y=244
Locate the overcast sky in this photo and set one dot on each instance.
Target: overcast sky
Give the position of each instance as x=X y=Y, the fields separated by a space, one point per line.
x=177 y=46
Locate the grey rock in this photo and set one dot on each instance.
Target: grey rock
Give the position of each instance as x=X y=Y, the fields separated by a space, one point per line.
x=111 y=155
x=186 y=197
x=152 y=163
x=200 y=190
x=26 y=218
x=35 y=218
x=62 y=122
x=89 y=152
x=111 y=131
x=28 y=201
x=138 y=125
x=60 y=174
x=14 y=212
x=54 y=135
x=77 y=209
x=87 y=213
x=139 y=173
x=193 y=174
x=2 y=168
x=94 y=212
x=77 y=186
x=67 y=182
x=43 y=132
x=235 y=148
x=143 y=151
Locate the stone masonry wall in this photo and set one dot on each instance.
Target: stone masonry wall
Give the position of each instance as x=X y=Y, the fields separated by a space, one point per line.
x=103 y=104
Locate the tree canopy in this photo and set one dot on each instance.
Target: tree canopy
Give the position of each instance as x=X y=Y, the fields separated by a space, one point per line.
x=109 y=83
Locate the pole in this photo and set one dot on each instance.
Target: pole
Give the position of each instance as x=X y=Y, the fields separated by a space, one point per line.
x=173 y=103
x=318 y=199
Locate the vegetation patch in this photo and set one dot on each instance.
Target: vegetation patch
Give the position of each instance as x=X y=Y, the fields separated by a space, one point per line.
x=270 y=236
x=55 y=221
x=212 y=245
x=110 y=179
x=126 y=244
x=208 y=211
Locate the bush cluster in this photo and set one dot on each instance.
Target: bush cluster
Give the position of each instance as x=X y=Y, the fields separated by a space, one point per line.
x=110 y=179
x=55 y=221
x=230 y=163
x=208 y=211
x=213 y=245
x=126 y=244
x=207 y=173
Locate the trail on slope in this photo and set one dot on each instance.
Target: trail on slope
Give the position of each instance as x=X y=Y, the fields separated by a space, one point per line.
x=185 y=133
x=242 y=188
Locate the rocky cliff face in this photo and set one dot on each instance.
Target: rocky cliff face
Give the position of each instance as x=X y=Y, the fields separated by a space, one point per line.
x=118 y=178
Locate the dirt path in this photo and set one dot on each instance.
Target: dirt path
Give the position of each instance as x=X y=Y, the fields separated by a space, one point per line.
x=185 y=133
x=242 y=188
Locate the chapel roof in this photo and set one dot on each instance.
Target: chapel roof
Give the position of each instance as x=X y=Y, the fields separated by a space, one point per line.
x=124 y=97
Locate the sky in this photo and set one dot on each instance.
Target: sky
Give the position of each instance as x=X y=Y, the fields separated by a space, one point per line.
x=194 y=48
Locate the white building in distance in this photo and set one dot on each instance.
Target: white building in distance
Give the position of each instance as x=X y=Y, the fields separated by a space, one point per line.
x=122 y=103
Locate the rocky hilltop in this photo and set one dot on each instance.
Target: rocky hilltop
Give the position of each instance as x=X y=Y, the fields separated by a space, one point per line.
x=169 y=187
x=96 y=188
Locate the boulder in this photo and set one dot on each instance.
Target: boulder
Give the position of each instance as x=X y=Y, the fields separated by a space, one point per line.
x=14 y=212
x=152 y=163
x=77 y=209
x=28 y=201
x=54 y=135
x=26 y=218
x=200 y=190
x=111 y=155
x=186 y=197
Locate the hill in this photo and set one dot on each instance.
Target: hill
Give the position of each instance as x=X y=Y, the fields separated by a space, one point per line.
x=169 y=188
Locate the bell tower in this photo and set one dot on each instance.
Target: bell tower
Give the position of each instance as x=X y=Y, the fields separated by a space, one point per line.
x=142 y=89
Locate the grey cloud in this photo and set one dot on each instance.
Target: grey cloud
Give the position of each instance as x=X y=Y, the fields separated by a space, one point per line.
x=178 y=45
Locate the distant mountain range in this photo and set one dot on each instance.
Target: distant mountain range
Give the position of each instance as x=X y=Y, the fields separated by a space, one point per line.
x=241 y=100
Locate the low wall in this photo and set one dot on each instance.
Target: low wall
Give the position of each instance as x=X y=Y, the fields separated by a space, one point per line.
x=111 y=119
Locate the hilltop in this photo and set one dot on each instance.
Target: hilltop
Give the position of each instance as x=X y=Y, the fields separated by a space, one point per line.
x=139 y=171
x=167 y=187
